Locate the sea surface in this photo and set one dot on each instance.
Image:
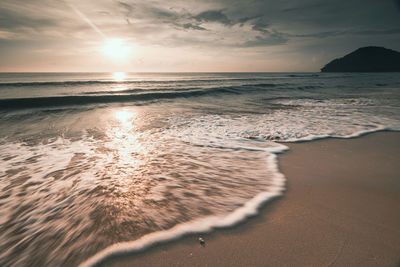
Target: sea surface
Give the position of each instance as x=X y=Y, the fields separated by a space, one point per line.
x=93 y=164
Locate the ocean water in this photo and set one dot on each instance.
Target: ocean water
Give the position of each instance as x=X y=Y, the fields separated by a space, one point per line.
x=96 y=164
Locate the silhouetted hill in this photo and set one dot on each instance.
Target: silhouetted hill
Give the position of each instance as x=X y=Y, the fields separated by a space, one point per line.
x=366 y=59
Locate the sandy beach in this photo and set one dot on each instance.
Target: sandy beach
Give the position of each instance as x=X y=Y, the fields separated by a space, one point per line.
x=341 y=208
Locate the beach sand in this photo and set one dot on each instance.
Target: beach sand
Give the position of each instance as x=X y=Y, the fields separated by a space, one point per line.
x=341 y=208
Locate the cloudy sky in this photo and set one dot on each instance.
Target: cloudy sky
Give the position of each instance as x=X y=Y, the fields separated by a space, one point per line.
x=186 y=35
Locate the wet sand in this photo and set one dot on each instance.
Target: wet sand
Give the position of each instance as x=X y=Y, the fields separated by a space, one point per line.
x=341 y=208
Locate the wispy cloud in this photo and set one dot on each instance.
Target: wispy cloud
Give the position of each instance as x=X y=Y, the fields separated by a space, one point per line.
x=193 y=27
x=213 y=16
x=271 y=39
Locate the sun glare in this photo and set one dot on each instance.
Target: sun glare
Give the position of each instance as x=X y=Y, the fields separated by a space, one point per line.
x=116 y=49
x=124 y=116
x=119 y=76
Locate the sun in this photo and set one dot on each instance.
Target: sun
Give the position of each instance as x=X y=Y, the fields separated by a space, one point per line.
x=116 y=49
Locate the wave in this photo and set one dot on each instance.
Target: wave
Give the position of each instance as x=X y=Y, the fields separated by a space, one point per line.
x=137 y=94
x=303 y=75
x=137 y=90
x=309 y=87
x=267 y=84
x=53 y=101
x=60 y=83
x=108 y=82
x=245 y=87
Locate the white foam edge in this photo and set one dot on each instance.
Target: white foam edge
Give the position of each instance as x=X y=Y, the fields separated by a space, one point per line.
x=202 y=225
x=352 y=135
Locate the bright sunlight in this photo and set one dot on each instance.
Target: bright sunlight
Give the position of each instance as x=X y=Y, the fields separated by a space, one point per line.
x=124 y=117
x=116 y=49
x=119 y=76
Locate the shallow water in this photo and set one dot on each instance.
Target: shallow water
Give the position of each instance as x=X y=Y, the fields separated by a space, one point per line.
x=87 y=161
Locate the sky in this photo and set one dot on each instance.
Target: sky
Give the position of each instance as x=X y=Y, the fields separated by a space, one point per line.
x=186 y=35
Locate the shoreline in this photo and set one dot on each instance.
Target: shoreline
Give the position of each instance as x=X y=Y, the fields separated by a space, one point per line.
x=300 y=228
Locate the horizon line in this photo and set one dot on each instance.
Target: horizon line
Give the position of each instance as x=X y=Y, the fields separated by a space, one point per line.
x=1 y=72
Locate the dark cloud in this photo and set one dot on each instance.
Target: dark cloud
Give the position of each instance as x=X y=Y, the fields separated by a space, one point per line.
x=272 y=39
x=260 y=25
x=155 y=15
x=178 y=20
x=378 y=32
x=244 y=20
x=329 y=34
x=319 y=34
x=241 y=21
x=162 y=13
x=397 y=2
x=302 y=7
x=127 y=7
x=149 y=13
x=213 y=16
x=10 y=19
x=193 y=27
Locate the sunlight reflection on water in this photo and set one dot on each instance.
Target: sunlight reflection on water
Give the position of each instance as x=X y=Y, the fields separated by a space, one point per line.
x=125 y=117
x=119 y=87
x=119 y=76
x=125 y=138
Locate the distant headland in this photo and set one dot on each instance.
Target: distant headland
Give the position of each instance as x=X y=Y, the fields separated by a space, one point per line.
x=366 y=59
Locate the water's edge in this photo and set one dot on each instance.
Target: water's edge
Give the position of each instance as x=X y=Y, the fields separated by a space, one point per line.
x=207 y=224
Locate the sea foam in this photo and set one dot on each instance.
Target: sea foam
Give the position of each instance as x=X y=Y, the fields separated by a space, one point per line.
x=202 y=225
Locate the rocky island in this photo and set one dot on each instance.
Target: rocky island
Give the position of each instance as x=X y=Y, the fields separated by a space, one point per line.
x=366 y=59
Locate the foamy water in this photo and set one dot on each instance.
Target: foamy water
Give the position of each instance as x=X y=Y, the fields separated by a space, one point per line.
x=91 y=167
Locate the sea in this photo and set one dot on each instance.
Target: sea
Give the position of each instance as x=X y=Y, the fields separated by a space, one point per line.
x=94 y=165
